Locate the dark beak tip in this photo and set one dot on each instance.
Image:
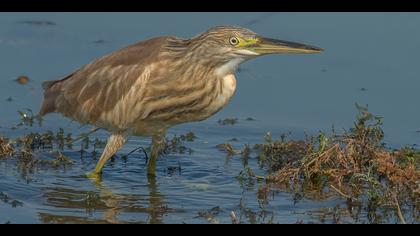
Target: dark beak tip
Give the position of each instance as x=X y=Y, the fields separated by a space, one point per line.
x=316 y=49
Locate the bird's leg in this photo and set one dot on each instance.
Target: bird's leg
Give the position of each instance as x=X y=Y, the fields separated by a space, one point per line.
x=158 y=142
x=115 y=142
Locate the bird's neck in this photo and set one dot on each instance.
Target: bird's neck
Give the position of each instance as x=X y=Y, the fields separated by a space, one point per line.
x=229 y=67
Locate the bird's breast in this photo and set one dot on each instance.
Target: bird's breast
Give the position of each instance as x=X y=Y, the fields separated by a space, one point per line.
x=228 y=87
x=223 y=90
x=194 y=106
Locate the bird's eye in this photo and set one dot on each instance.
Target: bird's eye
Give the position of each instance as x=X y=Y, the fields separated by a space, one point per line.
x=234 y=41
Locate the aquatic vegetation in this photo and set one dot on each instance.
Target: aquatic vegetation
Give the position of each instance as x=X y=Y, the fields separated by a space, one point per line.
x=354 y=165
x=172 y=169
x=59 y=160
x=263 y=214
x=6 y=148
x=27 y=119
x=233 y=217
x=228 y=121
x=228 y=148
x=210 y=214
x=176 y=144
x=378 y=184
x=330 y=215
x=25 y=149
x=189 y=137
x=8 y=200
x=34 y=148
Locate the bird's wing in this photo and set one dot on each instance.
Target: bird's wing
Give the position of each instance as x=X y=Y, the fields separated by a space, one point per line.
x=100 y=85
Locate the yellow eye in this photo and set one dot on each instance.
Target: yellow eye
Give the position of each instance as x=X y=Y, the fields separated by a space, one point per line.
x=234 y=41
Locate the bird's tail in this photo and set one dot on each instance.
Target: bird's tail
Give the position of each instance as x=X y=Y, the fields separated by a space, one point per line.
x=51 y=92
x=47 y=84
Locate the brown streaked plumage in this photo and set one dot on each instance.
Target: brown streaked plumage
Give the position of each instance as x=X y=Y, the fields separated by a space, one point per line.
x=150 y=86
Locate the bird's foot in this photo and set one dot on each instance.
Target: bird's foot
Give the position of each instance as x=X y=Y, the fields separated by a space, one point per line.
x=95 y=176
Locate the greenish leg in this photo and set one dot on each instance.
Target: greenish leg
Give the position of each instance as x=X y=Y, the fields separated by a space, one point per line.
x=115 y=142
x=157 y=144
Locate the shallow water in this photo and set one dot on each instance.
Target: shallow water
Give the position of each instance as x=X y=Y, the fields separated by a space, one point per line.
x=370 y=58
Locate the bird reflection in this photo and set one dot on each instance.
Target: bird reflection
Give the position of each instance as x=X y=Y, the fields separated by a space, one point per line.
x=104 y=206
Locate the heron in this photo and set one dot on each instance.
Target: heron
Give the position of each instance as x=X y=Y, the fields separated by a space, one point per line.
x=150 y=86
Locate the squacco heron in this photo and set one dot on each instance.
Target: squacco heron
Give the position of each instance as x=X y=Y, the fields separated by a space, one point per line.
x=150 y=86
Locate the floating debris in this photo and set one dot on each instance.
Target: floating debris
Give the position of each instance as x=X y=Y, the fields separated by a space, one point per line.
x=9 y=99
x=260 y=19
x=228 y=121
x=22 y=79
x=100 y=41
x=37 y=22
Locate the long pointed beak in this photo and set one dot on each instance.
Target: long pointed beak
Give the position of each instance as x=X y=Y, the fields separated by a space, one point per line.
x=274 y=46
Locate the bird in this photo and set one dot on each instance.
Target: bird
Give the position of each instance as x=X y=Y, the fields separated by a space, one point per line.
x=148 y=87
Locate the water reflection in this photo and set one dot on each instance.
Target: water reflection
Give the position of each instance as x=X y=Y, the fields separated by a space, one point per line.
x=103 y=205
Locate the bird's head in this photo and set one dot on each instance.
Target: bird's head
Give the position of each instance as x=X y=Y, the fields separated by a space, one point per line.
x=233 y=45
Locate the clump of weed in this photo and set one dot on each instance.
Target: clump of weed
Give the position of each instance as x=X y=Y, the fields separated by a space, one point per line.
x=233 y=121
x=228 y=121
x=25 y=149
x=5 y=198
x=27 y=119
x=189 y=137
x=228 y=148
x=176 y=144
x=6 y=148
x=354 y=165
x=210 y=215
x=59 y=160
